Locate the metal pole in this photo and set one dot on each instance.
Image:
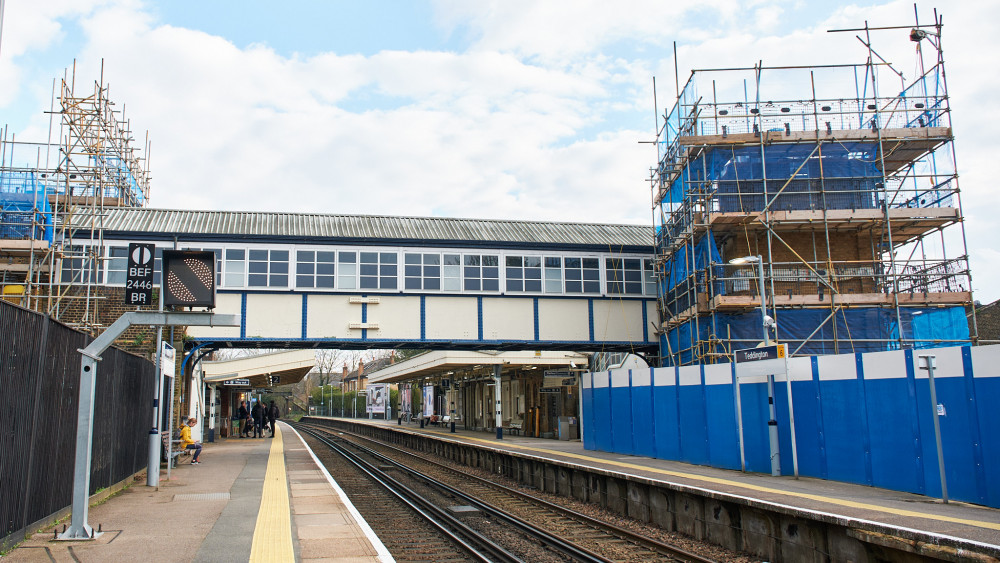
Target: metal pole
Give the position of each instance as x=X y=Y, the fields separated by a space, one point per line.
x=772 y=423
x=79 y=528
x=496 y=396
x=791 y=416
x=170 y=423
x=153 y=459
x=1 y=22
x=929 y=358
x=451 y=400
x=739 y=419
x=763 y=300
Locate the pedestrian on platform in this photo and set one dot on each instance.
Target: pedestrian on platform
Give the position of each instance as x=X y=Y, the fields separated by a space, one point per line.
x=244 y=415
x=273 y=414
x=188 y=443
x=257 y=412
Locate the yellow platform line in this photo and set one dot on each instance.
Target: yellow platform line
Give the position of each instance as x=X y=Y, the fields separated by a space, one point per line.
x=731 y=483
x=272 y=536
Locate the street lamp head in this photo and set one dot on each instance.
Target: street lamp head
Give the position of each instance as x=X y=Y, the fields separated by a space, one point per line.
x=745 y=260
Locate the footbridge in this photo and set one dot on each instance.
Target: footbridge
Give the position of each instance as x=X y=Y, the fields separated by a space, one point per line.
x=361 y=281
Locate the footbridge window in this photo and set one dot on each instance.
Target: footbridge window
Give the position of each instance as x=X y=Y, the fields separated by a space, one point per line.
x=268 y=268
x=482 y=272
x=379 y=270
x=533 y=274
x=524 y=273
x=314 y=269
x=553 y=274
x=648 y=276
x=452 y=272
x=348 y=263
x=234 y=270
x=117 y=265
x=583 y=275
x=422 y=271
x=625 y=276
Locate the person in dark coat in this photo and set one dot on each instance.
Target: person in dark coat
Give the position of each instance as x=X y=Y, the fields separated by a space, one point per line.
x=243 y=417
x=257 y=412
x=272 y=416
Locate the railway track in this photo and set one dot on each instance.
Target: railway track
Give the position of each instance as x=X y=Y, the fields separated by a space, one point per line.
x=561 y=533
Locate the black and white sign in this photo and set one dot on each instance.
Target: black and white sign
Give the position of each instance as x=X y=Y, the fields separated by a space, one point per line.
x=139 y=278
x=758 y=354
x=237 y=382
x=766 y=360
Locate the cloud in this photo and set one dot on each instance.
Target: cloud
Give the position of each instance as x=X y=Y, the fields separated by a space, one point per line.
x=539 y=118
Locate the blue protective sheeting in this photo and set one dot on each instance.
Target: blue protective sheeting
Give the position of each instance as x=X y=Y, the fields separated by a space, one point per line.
x=864 y=418
x=930 y=327
x=867 y=329
x=25 y=216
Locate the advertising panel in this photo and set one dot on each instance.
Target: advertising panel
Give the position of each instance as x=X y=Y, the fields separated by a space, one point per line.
x=428 y=400
x=405 y=399
x=376 y=398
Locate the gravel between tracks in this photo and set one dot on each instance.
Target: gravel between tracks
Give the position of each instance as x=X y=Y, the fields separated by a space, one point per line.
x=649 y=530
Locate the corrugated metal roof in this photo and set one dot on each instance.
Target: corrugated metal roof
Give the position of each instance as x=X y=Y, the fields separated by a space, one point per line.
x=277 y=225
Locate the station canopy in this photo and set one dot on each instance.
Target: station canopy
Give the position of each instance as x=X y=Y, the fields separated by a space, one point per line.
x=265 y=370
x=467 y=362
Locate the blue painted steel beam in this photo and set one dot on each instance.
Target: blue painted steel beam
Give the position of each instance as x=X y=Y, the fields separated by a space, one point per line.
x=423 y=344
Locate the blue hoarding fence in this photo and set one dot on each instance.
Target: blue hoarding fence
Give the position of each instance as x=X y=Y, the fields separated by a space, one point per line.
x=862 y=418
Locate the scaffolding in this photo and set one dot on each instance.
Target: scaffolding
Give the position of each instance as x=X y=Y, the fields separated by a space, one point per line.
x=89 y=162
x=841 y=178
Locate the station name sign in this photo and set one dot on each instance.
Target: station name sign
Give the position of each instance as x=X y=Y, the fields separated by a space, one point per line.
x=237 y=382
x=775 y=352
x=767 y=360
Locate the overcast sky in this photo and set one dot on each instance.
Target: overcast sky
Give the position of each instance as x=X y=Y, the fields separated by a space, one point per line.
x=529 y=109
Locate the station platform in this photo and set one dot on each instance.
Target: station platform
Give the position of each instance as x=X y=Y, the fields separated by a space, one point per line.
x=849 y=504
x=248 y=500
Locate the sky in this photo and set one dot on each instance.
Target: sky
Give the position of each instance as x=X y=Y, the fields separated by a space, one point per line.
x=505 y=109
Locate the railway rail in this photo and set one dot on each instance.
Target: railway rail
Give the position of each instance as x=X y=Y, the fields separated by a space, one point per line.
x=558 y=532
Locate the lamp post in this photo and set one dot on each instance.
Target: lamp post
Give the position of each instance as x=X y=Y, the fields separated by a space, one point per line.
x=772 y=423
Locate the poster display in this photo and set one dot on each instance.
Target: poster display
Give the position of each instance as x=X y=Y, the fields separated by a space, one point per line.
x=405 y=399
x=376 y=398
x=428 y=400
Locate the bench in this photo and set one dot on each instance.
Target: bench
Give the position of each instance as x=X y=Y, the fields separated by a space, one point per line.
x=512 y=427
x=172 y=462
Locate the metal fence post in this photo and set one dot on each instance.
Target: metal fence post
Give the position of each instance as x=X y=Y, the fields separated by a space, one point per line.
x=929 y=360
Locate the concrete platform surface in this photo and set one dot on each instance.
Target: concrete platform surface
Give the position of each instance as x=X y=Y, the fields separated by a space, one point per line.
x=237 y=505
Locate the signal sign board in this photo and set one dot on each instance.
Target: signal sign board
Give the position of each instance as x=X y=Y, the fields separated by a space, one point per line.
x=139 y=277
x=189 y=278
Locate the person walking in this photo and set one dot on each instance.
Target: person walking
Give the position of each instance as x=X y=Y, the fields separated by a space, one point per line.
x=243 y=418
x=273 y=414
x=187 y=443
x=257 y=412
